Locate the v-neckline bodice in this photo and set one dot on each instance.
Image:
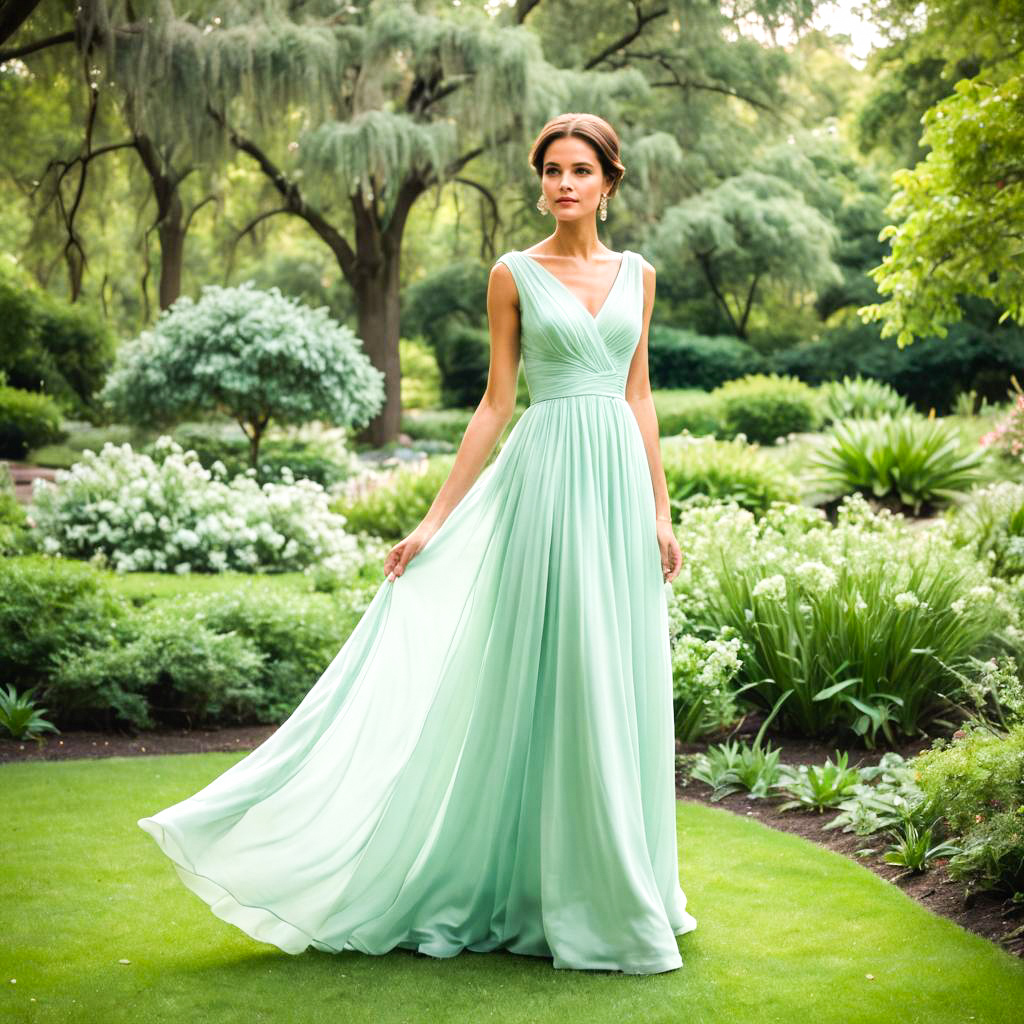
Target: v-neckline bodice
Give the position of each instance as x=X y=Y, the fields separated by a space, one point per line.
x=565 y=288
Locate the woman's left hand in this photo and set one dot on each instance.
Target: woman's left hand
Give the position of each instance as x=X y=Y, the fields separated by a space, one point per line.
x=671 y=556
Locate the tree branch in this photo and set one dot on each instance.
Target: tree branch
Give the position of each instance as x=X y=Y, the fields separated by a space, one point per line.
x=491 y=202
x=689 y=83
x=642 y=19
x=749 y=305
x=289 y=191
x=40 y=44
x=704 y=259
x=13 y=14
x=195 y=209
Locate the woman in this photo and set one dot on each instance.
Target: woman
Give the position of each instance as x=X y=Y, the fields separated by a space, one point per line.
x=487 y=763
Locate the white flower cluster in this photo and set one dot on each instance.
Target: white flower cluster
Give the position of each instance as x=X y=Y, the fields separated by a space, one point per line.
x=771 y=587
x=125 y=509
x=868 y=561
x=816 y=577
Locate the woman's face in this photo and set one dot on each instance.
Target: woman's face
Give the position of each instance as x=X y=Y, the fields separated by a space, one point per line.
x=572 y=171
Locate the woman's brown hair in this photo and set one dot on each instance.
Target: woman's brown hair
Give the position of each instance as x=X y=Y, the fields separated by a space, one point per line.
x=589 y=127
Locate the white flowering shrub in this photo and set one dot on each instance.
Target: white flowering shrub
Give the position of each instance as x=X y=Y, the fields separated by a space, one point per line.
x=132 y=513
x=702 y=673
x=867 y=622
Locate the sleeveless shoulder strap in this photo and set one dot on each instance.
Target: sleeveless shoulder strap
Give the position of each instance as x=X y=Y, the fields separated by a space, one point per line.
x=513 y=260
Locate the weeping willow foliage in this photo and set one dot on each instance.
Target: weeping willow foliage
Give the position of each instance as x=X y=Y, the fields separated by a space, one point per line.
x=340 y=94
x=366 y=96
x=378 y=146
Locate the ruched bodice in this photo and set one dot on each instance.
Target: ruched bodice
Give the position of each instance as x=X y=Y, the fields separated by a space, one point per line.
x=566 y=350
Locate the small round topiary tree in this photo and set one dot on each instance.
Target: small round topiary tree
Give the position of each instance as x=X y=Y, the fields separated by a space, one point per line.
x=254 y=355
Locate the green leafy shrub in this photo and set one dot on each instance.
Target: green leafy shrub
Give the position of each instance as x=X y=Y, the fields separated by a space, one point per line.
x=162 y=670
x=990 y=523
x=861 y=398
x=682 y=359
x=248 y=656
x=304 y=460
x=975 y=776
x=909 y=461
x=47 y=345
x=49 y=606
x=765 y=407
x=694 y=412
x=725 y=470
x=977 y=355
x=421 y=378
x=992 y=857
x=437 y=424
x=463 y=356
x=296 y=638
x=13 y=518
x=27 y=420
x=976 y=783
x=397 y=501
x=867 y=622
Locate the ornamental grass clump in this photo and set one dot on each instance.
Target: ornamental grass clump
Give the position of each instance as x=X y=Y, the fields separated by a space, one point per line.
x=860 y=398
x=866 y=623
x=907 y=461
x=132 y=512
x=990 y=522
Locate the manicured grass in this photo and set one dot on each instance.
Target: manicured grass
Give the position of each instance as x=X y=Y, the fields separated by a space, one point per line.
x=143 y=586
x=787 y=932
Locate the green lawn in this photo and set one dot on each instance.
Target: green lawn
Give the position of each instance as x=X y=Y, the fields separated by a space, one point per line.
x=140 y=587
x=787 y=932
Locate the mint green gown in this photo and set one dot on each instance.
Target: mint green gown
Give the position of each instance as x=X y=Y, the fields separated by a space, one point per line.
x=488 y=761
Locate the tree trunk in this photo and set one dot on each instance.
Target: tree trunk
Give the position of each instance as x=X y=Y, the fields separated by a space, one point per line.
x=372 y=270
x=170 y=219
x=377 y=299
x=172 y=251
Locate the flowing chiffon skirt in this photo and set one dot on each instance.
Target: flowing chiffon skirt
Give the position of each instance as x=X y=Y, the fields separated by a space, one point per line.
x=488 y=761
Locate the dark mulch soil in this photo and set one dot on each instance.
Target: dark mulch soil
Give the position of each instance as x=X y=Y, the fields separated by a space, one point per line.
x=70 y=745
x=987 y=915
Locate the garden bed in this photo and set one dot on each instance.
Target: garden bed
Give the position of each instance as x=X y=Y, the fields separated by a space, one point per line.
x=983 y=913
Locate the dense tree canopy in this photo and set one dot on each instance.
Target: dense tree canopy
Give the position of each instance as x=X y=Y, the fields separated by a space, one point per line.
x=345 y=152
x=959 y=213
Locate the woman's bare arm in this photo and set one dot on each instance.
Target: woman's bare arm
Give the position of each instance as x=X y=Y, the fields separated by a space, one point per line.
x=638 y=395
x=487 y=424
